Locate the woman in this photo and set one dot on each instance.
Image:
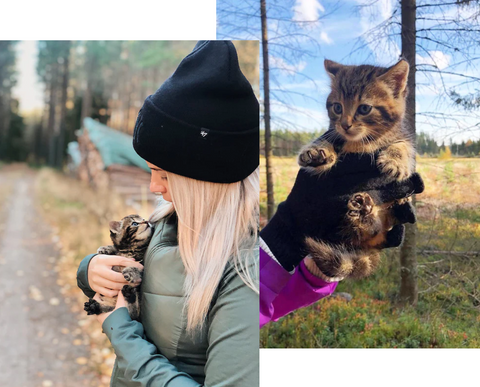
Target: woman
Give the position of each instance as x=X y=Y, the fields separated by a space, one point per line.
x=199 y=134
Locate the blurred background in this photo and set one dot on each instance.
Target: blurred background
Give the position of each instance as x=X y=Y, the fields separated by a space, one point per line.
x=426 y=293
x=67 y=168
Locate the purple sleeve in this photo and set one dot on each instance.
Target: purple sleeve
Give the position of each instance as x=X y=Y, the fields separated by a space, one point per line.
x=282 y=292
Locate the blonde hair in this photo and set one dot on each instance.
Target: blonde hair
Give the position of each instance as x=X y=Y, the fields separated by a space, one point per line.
x=217 y=223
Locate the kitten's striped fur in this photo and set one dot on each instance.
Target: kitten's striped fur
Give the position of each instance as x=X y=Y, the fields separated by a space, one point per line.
x=366 y=107
x=130 y=238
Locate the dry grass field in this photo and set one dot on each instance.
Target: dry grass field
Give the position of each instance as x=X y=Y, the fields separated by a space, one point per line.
x=447 y=314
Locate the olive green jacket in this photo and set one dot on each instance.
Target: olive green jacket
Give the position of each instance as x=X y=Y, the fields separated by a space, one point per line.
x=158 y=351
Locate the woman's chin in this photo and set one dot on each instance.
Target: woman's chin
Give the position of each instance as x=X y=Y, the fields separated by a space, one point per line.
x=167 y=197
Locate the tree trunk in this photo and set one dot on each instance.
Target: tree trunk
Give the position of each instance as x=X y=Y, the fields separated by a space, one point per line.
x=408 y=253
x=87 y=94
x=51 y=115
x=4 y=122
x=63 y=110
x=266 y=112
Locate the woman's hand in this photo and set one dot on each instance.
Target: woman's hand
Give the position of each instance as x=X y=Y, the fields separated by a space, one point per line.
x=120 y=303
x=102 y=279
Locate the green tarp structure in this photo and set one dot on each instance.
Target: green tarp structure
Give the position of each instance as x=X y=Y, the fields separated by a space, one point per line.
x=114 y=147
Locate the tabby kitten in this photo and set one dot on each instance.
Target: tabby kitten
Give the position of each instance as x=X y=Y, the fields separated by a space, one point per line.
x=130 y=238
x=366 y=107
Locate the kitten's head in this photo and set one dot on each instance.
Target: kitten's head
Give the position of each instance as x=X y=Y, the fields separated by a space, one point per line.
x=366 y=102
x=131 y=230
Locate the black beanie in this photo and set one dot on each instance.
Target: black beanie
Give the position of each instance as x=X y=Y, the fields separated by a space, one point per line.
x=203 y=122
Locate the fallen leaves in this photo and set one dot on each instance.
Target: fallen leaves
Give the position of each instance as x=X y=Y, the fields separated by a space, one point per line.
x=81 y=360
x=35 y=293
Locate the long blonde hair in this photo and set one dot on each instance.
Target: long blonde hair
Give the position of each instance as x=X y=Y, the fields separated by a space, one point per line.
x=217 y=223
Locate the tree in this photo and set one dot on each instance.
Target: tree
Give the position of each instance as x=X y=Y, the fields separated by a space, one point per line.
x=266 y=111
x=408 y=252
x=7 y=81
x=53 y=68
x=15 y=139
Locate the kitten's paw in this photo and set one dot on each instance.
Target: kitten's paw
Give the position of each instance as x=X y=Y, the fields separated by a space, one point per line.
x=92 y=307
x=395 y=162
x=360 y=205
x=321 y=157
x=363 y=224
x=129 y=293
x=108 y=250
x=132 y=275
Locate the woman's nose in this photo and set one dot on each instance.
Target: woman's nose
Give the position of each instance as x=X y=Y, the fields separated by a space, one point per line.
x=155 y=187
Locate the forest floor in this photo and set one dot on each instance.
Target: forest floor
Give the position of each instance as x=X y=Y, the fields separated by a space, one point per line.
x=448 y=310
x=42 y=342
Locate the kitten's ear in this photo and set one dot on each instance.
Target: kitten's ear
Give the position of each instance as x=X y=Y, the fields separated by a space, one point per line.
x=115 y=227
x=332 y=67
x=396 y=77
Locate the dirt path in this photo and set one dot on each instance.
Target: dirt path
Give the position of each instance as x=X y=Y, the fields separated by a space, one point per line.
x=37 y=328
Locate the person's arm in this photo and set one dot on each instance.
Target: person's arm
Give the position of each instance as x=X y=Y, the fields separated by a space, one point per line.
x=282 y=292
x=232 y=323
x=138 y=360
x=82 y=276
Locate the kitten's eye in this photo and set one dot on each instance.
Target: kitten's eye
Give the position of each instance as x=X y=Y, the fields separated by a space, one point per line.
x=135 y=224
x=364 y=109
x=337 y=108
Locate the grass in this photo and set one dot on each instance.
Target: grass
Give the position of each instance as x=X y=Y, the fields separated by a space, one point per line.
x=447 y=314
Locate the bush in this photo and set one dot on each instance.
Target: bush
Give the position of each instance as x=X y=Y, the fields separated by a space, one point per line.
x=445 y=154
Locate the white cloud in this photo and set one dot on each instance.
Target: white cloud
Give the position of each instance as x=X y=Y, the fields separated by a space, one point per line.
x=318 y=86
x=435 y=58
x=301 y=117
x=307 y=10
x=325 y=38
x=287 y=68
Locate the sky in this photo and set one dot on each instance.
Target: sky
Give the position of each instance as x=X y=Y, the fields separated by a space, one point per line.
x=28 y=90
x=300 y=84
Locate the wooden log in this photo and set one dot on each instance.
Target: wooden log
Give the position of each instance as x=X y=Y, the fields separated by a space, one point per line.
x=457 y=253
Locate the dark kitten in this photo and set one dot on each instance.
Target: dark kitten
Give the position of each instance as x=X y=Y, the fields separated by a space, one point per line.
x=130 y=238
x=366 y=107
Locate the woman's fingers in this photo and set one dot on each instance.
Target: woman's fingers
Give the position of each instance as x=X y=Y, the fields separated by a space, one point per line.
x=118 y=260
x=102 y=278
x=110 y=284
x=114 y=276
x=131 y=263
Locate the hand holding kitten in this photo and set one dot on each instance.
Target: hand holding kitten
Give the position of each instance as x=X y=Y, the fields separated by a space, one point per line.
x=120 y=304
x=102 y=279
